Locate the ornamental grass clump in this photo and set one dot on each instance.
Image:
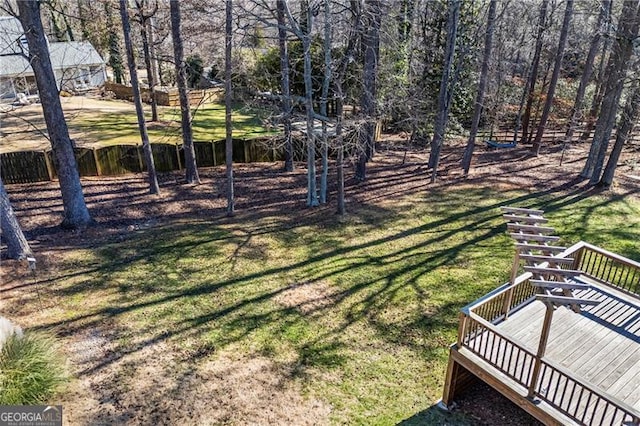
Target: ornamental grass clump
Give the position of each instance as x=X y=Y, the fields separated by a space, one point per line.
x=31 y=369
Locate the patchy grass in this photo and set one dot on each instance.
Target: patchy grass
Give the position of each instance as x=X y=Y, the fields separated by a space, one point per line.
x=350 y=320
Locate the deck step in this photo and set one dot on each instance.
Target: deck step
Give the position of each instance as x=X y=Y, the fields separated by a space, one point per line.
x=533 y=237
x=524 y=219
x=539 y=247
x=557 y=272
x=530 y=228
x=552 y=260
x=559 y=284
x=564 y=300
x=521 y=210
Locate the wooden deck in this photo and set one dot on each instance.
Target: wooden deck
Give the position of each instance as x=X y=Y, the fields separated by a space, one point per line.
x=588 y=370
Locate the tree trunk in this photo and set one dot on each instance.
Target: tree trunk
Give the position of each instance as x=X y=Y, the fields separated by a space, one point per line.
x=323 y=102
x=151 y=33
x=17 y=245
x=338 y=81
x=285 y=87
x=303 y=32
x=546 y=110
x=340 y=157
x=616 y=71
x=371 y=53
x=76 y=214
x=625 y=127
x=228 y=146
x=576 y=110
x=484 y=71
x=191 y=168
x=144 y=35
x=444 y=95
x=154 y=188
x=533 y=75
x=312 y=192
x=115 y=56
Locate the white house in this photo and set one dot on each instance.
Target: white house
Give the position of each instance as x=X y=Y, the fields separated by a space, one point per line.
x=76 y=64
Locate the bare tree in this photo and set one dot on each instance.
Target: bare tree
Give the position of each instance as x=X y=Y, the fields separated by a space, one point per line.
x=625 y=126
x=446 y=87
x=285 y=86
x=533 y=73
x=616 y=70
x=338 y=84
x=371 y=53
x=546 y=110
x=326 y=81
x=484 y=71
x=154 y=188
x=17 y=245
x=192 y=175
x=302 y=30
x=594 y=46
x=228 y=149
x=76 y=214
x=144 y=18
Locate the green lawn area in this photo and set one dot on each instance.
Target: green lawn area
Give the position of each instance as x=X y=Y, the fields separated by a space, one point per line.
x=121 y=127
x=357 y=314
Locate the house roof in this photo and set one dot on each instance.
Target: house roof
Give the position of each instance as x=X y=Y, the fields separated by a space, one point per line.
x=73 y=53
x=64 y=55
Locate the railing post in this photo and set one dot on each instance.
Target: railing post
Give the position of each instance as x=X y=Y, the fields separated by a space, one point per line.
x=462 y=328
x=577 y=258
x=542 y=347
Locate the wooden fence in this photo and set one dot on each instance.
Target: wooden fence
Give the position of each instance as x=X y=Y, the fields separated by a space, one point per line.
x=38 y=166
x=166 y=97
x=549 y=136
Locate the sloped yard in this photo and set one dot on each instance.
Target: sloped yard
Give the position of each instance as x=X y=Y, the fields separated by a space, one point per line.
x=172 y=313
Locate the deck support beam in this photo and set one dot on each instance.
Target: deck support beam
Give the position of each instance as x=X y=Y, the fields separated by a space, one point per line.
x=542 y=347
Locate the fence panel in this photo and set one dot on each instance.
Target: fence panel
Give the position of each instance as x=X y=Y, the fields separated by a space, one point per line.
x=24 y=167
x=204 y=154
x=165 y=157
x=86 y=162
x=119 y=159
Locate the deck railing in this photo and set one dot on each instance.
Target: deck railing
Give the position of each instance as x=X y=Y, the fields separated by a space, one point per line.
x=581 y=401
x=607 y=267
x=568 y=393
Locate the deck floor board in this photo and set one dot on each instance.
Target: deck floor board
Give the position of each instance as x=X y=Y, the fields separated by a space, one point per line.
x=600 y=344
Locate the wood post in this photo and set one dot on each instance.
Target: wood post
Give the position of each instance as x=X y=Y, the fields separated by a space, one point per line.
x=47 y=162
x=542 y=347
x=450 y=381
x=178 y=157
x=213 y=152
x=140 y=162
x=95 y=160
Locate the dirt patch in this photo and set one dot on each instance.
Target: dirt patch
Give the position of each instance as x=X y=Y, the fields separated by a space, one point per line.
x=486 y=407
x=152 y=386
x=307 y=297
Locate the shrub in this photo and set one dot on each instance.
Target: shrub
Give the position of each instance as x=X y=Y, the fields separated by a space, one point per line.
x=31 y=369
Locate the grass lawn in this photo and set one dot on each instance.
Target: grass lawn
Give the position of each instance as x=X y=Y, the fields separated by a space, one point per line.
x=98 y=122
x=350 y=321
x=111 y=128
